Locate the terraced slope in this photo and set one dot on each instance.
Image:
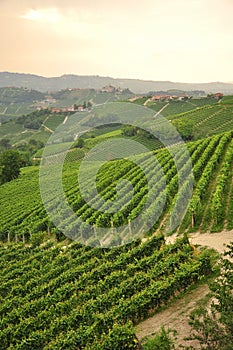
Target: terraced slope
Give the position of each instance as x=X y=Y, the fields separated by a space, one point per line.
x=176 y=107
x=75 y=297
x=24 y=214
x=205 y=121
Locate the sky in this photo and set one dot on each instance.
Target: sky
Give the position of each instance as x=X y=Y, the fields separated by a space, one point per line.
x=176 y=40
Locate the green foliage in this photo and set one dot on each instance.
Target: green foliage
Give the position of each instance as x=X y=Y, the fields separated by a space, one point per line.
x=54 y=120
x=29 y=147
x=204 y=171
x=79 y=143
x=37 y=239
x=162 y=341
x=29 y=214
x=4 y=144
x=185 y=128
x=213 y=327
x=119 y=337
x=33 y=120
x=217 y=203
x=58 y=234
x=227 y=100
x=176 y=107
x=15 y=95
x=130 y=130
x=10 y=164
x=141 y=100
x=204 y=121
x=77 y=297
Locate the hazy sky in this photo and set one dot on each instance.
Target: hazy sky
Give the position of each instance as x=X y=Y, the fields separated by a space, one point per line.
x=178 y=40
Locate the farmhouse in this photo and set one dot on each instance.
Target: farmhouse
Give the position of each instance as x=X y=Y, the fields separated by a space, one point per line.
x=56 y=110
x=218 y=95
x=108 y=88
x=62 y=109
x=161 y=97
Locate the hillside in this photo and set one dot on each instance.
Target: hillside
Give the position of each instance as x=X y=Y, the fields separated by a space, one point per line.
x=194 y=118
x=212 y=169
x=15 y=102
x=58 y=293
x=67 y=295
x=205 y=121
x=75 y=297
x=86 y=82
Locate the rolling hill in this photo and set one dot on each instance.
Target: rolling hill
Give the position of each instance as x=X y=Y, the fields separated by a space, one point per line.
x=16 y=101
x=86 y=82
x=194 y=119
x=209 y=157
x=57 y=293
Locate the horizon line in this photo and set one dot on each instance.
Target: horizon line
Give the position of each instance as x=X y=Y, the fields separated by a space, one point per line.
x=111 y=77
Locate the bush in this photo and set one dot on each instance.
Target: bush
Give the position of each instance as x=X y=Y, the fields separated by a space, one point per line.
x=213 y=327
x=37 y=239
x=162 y=341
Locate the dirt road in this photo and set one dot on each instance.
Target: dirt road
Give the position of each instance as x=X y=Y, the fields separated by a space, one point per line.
x=176 y=315
x=216 y=241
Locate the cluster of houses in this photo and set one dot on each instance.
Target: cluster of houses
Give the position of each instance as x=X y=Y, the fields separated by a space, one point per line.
x=72 y=108
x=111 y=89
x=62 y=109
x=169 y=97
x=181 y=97
x=162 y=97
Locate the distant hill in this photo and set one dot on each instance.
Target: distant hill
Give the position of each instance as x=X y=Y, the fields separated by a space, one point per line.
x=96 y=82
x=19 y=95
x=15 y=101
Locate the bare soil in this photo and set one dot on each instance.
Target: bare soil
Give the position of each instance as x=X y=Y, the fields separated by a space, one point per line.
x=176 y=315
x=217 y=241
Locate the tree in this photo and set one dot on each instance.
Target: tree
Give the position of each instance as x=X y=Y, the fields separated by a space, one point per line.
x=37 y=239
x=79 y=143
x=10 y=164
x=213 y=326
x=130 y=130
x=5 y=144
x=194 y=208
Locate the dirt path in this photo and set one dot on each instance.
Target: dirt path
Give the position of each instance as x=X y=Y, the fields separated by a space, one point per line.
x=213 y=240
x=4 y=112
x=65 y=120
x=46 y=128
x=160 y=111
x=176 y=316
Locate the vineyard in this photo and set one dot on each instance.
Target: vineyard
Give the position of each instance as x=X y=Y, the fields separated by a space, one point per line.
x=57 y=293
x=194 y=119
x=15 y=102
x=25 y=214
x=176 y=107
x=205 y=121
x=75 y=297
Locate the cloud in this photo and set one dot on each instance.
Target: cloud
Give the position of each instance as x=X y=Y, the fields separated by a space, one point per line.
x=50 y=15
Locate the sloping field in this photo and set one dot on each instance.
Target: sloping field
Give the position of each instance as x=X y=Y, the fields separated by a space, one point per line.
x=212 y=169
x=75 y=297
